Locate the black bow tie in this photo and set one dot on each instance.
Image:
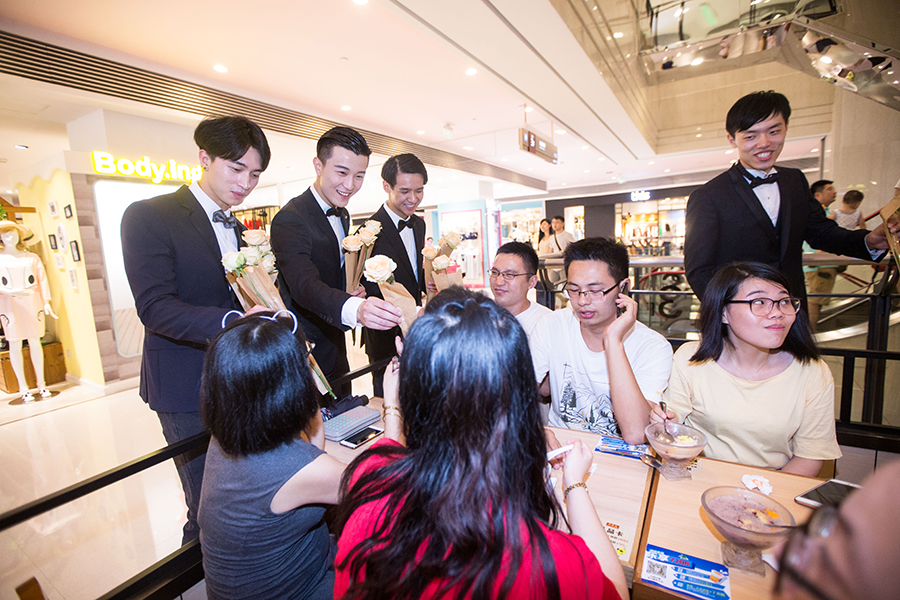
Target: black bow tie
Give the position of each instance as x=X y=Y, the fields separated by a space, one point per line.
x=757 y=181
x=336 y=211
x=228 y=221
x=401 y=225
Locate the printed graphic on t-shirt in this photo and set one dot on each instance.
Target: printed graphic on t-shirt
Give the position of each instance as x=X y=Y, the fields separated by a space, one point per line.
x=581 y=408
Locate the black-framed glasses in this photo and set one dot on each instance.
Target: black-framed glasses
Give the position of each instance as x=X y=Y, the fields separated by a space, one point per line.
x=799 y=547
x=507 y=275
x=589 y=294
x=763 y=306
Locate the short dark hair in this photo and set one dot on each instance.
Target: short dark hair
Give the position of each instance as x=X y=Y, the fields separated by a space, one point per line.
x=524 y=251
x=853 y=197
x=257 y=391
x=558 y=218
x=756 y=107
x=403 y=163
x=722 y=289
x=600 y=249
x=230 y=137
x=818 y=186
x=345 y=137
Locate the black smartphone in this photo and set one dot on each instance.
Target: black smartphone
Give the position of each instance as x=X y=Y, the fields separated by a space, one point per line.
x=624 y=288
x=361 y=437
x=833 y=491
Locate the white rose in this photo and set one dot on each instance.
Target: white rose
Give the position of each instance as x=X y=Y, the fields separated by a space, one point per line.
x=251 y=255
x=452 y=239
x=352 y=243
x=264 y=249
x=367 y=235
x=430 y=252
x=268 y=263
x=255 y=237
x=379 y=269
x=441 y=263
x=232 y=261
x=374 y=226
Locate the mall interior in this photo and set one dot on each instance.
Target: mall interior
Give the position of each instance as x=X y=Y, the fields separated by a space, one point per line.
x=608 y=113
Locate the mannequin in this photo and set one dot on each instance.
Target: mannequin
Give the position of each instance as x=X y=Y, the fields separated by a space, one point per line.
x=24 y=300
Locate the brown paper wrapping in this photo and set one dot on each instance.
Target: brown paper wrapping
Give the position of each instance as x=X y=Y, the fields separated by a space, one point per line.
x=444 y=280
x=350 y=268
x=429 y=277
x=396 y=294
x=446 y=250
x=254 y=288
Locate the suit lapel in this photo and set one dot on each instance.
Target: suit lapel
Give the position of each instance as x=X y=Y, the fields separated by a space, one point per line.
x=393 y=240
x=197 y=217
x=785 y=208
x=419 y=235
x=314 y=211
x=752 y=202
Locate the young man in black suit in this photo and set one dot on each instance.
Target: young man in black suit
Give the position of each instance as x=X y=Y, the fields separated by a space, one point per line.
x=173 y=247
x=755 y=212
x=402 y=239
x=306 y=239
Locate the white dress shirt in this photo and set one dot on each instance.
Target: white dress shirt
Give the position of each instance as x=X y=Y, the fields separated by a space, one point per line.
x=769 y=195
x=407 y=236
x=226 y=237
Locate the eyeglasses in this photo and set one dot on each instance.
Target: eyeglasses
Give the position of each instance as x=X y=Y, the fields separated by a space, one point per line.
x=589 y=294
x=763 y=306
x=797 y=552
x=507 y=275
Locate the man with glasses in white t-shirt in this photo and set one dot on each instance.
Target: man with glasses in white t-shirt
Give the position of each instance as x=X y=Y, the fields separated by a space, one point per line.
x=602 y=369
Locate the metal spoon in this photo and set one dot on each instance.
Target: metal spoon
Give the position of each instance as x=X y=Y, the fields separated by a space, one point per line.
x=651 y=461
x=665 y=437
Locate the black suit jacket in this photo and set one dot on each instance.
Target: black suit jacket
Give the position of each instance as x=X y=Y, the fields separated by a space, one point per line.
x=174 y=267
x=726 y=222
x=311 y=278
x=380 y=344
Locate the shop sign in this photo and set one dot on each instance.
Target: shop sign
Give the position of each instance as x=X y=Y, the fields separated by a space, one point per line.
x=106 y=164
x=640 y=196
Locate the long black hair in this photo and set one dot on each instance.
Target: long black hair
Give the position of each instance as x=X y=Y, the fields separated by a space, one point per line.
x=465 y=496
x=722 y=288
x=541 y=234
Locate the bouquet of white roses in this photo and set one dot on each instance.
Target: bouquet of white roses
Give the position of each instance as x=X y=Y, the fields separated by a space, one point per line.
x=429 y=253
x=445 y=273
x=251 y=272
x=449 y=243
x=358 y=249
x=380 y=269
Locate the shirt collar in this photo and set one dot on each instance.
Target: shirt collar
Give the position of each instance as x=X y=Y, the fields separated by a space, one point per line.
x=395 y=218
x=209 y=207
x=760 y=174
x=322 y=204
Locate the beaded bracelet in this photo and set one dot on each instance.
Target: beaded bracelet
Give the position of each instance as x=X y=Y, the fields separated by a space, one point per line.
x=391 y=410
x=572 y=487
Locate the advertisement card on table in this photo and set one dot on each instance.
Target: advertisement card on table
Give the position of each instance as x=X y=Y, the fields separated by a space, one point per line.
x=686 y=574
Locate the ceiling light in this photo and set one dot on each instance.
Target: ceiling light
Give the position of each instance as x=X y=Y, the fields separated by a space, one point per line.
x=618 y=35
x=560 y=132
x=471 y=71
x=814 y=150
x=21 y=147
x=467 y=148
x=890 y=72
x=613 y=178
x=345 y=107
x=531 y=168
x=699 y=135
x=220 y=68
x=667 y=170
x=826 y=59
x=601 y=158
x=504 y=159
x=587 y=170
x=584 y=147
x=696 y=62
x=729 y=152
x=9 y=191
x=421 y=132
x=528 y=109
x=874 y=182
x=564 y=184
x=652 y=162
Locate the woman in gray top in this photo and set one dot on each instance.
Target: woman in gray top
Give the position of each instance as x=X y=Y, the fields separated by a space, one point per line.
x=267 y=478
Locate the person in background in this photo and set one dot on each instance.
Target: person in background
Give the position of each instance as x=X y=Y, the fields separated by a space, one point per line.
x=820 y=280
x=847 y=552
x=848 y=214
x=754 y=384
x=560 y=238
x=543 y=237
x=463 y=508
x=601 y=368
x=512 y=275
x=172 y=247
x=268 y=478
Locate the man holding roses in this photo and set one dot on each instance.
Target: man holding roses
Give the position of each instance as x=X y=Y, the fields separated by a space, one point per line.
x=306 y=239
x=402 y=239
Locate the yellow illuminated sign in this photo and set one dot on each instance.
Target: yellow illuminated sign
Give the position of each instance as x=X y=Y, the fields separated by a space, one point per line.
x=107 y=164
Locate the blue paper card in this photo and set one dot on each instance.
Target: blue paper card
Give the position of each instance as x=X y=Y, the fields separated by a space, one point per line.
x=686 y=574
x=614 y=445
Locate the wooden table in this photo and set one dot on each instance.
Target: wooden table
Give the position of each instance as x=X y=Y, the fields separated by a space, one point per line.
x=619 y=488
x=676 y=521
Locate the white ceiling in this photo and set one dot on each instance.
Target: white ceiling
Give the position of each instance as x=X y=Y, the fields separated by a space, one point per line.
x=399 y=65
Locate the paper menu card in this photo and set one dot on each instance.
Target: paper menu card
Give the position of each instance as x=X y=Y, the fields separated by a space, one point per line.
x=686 y=574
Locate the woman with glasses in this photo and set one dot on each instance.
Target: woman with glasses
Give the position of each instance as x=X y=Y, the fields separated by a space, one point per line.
x=754 y=383
x=267 y=479
x=463 y=509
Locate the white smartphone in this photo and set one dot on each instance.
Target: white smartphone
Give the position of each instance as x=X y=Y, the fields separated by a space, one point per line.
x=833 y=491
x=361 y=437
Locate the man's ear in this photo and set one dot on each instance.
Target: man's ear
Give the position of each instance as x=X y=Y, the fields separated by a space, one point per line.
x=317 y=165
x=730 y=139
x=386 y=186
x=532 y=282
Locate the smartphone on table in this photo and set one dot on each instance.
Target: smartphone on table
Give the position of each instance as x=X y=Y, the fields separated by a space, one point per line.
x=361 y=437
x=833 y=491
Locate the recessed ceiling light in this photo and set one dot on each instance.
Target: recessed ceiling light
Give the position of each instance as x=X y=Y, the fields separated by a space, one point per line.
x=467 y=147
x=667 y=170
x=729 y=152
x=504 y=159
x=890 y=72
x=564 y=184
x=677 y=55
x=560 y=132
x=652 y=162
x=587 y=170
x=814 y=150
x=699 y=135
x=528 y=109
x=826 y=59
x=618 y=35
x=696 y=62
x=220 y=68
x=602 y=158
x=531 y=168
x=9 y=191
x=21 y=147
x=613 y=178
x=471 y=71
x=345 y=107
x=584 y=147
x=874 y=182
x=421 y=132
